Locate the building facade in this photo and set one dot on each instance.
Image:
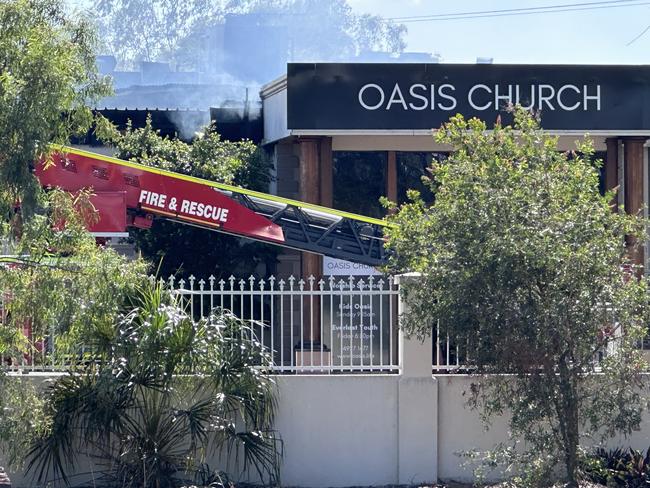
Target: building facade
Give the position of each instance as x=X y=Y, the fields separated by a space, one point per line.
x=343 y=135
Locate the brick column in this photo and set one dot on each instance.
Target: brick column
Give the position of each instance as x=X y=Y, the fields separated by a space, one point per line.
x=633 y=155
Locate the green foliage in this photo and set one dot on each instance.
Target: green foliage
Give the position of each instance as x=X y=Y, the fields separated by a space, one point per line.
x=47 y=76
x=173 y=392
x=56 y=279
x=618 y=467
x=185 y=249
x=525 y=264
x=148 y=30
x=530 y=467
x=21 y=419
x=208 y=156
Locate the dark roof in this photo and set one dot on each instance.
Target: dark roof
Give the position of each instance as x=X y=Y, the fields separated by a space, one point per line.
x=177 y=97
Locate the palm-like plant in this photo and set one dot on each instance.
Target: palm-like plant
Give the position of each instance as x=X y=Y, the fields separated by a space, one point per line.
x=173 y=392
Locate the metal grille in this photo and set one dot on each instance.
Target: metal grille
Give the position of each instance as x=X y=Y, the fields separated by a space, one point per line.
x=309 y=326
x=319 y=326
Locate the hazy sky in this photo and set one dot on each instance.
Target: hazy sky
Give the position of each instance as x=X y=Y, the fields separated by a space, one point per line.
x=588 y=36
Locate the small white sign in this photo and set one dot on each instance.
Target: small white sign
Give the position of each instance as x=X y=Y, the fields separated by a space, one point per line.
x=339 y=267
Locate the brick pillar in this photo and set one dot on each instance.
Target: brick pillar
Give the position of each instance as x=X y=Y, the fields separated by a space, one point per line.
x=611 y=169
x=633 y=156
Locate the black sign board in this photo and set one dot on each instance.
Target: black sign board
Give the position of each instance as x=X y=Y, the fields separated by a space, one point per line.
x=331 y=96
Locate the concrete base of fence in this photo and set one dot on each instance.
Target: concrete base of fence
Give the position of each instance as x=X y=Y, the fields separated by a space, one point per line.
x=371 y=430
x=358 y=430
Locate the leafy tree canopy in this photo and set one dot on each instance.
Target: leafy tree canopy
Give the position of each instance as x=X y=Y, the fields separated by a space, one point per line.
x=59 y=289
x=182 y=249
x=148 y=30
x=47 y=78
x=524 y=264
x=60 y=292
x=58 y=280
x=53 y=274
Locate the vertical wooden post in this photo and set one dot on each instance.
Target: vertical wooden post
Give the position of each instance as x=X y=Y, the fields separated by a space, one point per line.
x=391 y=194
x=633 y=155
x=611 y=169
x=309 y=170
x=311 y=177
x=310 y=193
x=326 y=173
x=391 y=176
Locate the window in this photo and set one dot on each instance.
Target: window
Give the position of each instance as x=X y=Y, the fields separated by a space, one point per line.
x=359 y=182
x=411 y=167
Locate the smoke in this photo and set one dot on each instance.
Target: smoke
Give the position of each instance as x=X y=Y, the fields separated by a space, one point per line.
x=188 y=124
x=182 y=58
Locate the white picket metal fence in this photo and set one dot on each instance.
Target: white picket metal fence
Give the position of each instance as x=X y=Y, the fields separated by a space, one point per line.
x=448 y=354
x=328 y=325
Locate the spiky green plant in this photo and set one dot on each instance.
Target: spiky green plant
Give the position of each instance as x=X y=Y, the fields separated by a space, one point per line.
x=174 y=392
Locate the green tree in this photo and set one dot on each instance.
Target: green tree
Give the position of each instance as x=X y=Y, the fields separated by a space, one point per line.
x=182 y=249
x=524 y=264
x=47 y=78
x=58 y=282
x=52 y=275
x=173 y=392
x=60 y=291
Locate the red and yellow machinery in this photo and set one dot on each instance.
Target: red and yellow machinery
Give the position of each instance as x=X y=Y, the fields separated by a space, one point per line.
x=127 y=195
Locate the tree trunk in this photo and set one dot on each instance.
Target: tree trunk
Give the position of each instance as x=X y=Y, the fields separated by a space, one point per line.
x=571 y=451
x=568 y=418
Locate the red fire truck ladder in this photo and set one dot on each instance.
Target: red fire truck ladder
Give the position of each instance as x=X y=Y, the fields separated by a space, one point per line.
x=129 y=194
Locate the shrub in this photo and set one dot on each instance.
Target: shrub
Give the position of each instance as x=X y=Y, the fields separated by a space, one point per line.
x=173 y=391
x=618 y=467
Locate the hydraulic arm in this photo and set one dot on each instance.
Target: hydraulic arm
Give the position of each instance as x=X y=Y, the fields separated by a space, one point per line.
x=129 y=194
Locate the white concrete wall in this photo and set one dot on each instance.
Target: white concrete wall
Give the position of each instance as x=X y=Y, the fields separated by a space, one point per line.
x=363 y=430
x=373 y=430
x=339 y=430
x=461 y=429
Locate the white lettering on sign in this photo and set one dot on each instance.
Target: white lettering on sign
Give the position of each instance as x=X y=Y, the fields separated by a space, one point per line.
x=155 y=200
x=152 y=199
x=418 y=96
x=381 y=97
x=595 y=97
x=561 y=100
x=470 y=98
x=396 y=97
x=446 y=96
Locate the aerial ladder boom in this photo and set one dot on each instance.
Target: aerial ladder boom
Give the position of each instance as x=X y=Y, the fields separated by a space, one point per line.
x=128 y=194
